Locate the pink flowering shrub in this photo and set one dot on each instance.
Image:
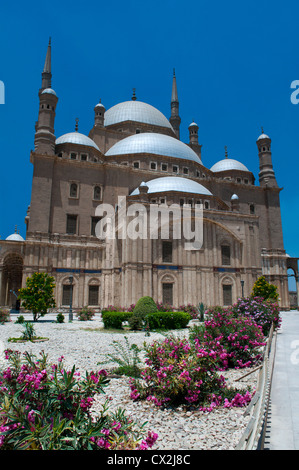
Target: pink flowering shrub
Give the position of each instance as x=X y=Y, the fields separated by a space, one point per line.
x=178 y=373
x=45 y=407
x=238 y=340
x=263 y=311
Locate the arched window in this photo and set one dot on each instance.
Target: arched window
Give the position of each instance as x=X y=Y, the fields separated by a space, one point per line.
x=97 y=193
x=73 y=190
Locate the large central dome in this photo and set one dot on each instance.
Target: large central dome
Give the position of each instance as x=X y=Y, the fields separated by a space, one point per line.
x=152 y=143
x=136 y=111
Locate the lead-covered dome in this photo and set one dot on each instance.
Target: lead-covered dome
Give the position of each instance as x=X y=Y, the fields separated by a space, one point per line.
x=136 y=111
x=15 y=237
x=174 y=183
x=228 y=164
x=152 y=143
x=76 y=138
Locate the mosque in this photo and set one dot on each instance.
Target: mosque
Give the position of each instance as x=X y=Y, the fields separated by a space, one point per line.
x=133 y=153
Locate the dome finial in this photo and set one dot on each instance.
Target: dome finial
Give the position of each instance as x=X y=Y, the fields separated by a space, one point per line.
x=134 y=95
x=262 y=129
x=76 y=125
x=226 y=154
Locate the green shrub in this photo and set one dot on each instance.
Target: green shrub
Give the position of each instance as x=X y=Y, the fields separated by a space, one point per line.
x=20 y=319
x=47 y=407
x=85 y=314
x=115 y=319
x=144 y=306
x=4 y=315
x=263 y=289
x=167 y=320
x=60 y=318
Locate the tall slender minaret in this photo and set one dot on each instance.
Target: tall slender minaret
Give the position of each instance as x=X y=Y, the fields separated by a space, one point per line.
x=44 y=128
x=175 y=119
x=266 y=174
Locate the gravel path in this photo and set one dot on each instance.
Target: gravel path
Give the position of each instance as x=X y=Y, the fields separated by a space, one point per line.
x=86 y=344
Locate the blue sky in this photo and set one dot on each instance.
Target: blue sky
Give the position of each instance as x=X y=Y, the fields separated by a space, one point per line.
x=234 y=63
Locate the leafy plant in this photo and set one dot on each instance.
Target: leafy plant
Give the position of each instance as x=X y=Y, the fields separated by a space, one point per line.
x=37 y=296
x=46 y=407
x=178 y=373
x=85 y=314
x=264 y=289
x=264 y=312
x=4 y=315
x=60 y=318
x=20 y=319
x=29 y=331
x=144 y=306
x=127 y=357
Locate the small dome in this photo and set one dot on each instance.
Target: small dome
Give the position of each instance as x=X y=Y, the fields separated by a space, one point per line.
x=174 y=183
x=49 y=91
x=16 y=237
x=193 y=124
x=234 y=197
x=263 y=136
x=100 y=105
x=228 y=164
x=157 y=144
x=136 y=111
x=76 y=138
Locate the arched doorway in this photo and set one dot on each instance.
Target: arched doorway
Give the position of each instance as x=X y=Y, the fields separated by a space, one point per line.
x=12 y=273
x=293 y=289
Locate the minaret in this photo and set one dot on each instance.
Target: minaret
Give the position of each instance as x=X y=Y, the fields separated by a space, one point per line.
x=266 y=174
x=44 y=128
x=175 y=119
x=193 y=138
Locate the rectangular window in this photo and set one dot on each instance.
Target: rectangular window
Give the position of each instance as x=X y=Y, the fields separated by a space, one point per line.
x=186 y=171
x=175 y=169
x=153 y=166
x=71 y=224
x=66 y=295
x=167 y=293
x=167 y=252
x=227 y=295
x=94 y=221
x=164 y=166
x=83 y=157
x=136 y=164
x=93 y=295
x=225 y=255
x=73 y=156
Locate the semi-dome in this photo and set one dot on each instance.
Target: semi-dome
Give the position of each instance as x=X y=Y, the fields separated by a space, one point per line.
x=228 y=164
x=76 y=138
x=136 y=111
x=15 y=237
x=174 y=183
x=152 y=143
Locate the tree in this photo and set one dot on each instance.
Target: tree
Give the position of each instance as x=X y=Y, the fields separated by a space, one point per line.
x=262 y=288
x=37 y=296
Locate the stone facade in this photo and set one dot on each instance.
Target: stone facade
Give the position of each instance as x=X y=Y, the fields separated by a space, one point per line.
x=131 y=149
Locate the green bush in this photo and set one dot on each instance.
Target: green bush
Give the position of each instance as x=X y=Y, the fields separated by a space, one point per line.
x=264 y=289
x=4 y=315
x=144 y=306
x=85 y=314
x=167 y=320
x=60 y=318
x=115 y=319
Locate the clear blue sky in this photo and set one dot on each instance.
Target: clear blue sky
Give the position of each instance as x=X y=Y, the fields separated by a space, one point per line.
x=234 y=63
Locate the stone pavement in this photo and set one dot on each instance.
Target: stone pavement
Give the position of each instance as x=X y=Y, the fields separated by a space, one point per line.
x=283 y=421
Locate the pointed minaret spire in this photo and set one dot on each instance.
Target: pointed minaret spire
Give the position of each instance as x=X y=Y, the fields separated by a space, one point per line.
x=175 y=119
x=46 y=74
